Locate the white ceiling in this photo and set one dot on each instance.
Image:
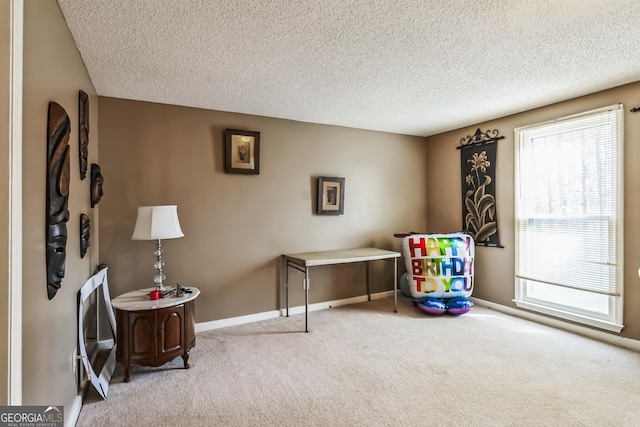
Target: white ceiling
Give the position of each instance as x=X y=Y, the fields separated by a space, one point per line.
x=416 y=67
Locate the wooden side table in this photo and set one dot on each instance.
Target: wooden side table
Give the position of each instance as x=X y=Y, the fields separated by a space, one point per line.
x=152 y=333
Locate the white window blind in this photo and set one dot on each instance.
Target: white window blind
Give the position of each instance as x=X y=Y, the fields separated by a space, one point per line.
x=568 y=203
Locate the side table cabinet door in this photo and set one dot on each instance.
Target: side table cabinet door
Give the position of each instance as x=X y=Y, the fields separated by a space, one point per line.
x=143 y=338
x=171 y=323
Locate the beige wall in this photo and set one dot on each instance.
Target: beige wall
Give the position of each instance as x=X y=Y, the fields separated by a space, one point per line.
x=5 y=56
x=237 y=226
x=495 y=267
x=53 y=71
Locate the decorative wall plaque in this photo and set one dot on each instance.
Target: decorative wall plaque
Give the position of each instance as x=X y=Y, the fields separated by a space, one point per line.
x=477 y=166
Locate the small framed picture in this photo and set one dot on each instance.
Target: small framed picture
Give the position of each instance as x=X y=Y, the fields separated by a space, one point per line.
x=330 y=196
x=242 y=152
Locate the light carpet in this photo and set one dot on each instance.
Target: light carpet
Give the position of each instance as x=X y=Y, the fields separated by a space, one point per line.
x=363 y=365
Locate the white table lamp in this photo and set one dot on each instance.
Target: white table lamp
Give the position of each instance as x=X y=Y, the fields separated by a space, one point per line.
x=157 y=223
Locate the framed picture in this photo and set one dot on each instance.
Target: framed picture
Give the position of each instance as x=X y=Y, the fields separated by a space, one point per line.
x=242 y=152
x=330 y=196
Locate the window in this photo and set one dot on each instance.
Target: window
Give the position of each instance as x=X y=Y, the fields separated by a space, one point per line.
x=568 y=218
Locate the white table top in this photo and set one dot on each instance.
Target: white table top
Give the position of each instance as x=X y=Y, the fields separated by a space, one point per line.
x=139 y=300
x=342 y=256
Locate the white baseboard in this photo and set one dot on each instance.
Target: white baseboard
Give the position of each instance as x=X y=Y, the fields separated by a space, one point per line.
x=628 y=343
x=71 y=417
x=335 y=303
x=241 y=320
x=233 y=321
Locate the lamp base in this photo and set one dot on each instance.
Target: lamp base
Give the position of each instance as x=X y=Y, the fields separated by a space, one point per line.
x=159 y=279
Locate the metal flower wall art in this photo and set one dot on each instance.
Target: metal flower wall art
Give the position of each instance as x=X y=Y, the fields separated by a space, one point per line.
x=481 y=206
x=478 y=158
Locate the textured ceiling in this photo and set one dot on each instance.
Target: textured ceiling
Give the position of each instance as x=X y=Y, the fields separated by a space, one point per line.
x=416 y=67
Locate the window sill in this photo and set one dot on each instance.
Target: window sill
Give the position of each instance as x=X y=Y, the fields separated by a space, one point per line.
x=584 y=320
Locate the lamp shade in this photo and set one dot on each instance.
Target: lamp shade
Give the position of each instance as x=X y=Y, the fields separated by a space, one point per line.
x=157 y=222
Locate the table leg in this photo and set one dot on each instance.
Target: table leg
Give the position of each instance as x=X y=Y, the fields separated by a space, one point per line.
x=286 y=285
x=127 y=372
x=395 y=285
x=185 y=359
x=306 y=299
x=368 y=288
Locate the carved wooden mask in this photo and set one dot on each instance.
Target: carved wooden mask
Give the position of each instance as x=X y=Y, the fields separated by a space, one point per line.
x=83 y=124
x=85 y=234
x=58 y=173
x=96 y=185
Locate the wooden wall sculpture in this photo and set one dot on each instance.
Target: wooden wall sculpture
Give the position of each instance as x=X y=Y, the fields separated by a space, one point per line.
x=85 y=234
x=58 y=173
x=96 y=185
x=83 y=123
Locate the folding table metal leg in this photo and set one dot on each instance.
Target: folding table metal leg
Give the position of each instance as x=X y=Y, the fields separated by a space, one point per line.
x=306 y=299
x=286 y=284
x=368 y=288
x=395 y=285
